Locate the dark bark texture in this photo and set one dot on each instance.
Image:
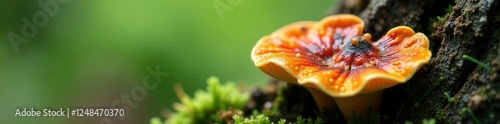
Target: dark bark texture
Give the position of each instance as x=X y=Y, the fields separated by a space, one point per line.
x=469 y=27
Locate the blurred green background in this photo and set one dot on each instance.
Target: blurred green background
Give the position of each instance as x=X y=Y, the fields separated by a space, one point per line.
x=94 y=51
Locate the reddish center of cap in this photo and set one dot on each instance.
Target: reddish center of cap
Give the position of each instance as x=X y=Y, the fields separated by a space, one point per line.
x=358 y=53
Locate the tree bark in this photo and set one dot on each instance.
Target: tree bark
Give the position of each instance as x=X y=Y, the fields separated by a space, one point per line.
x=471 y=28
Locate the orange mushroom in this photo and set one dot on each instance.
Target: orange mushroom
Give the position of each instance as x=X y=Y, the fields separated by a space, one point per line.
x=333 y=59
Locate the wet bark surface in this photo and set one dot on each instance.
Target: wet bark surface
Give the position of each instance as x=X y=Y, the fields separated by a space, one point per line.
x=471 y=27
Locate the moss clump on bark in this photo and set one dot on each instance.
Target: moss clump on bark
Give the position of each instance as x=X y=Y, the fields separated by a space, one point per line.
x=208 y=106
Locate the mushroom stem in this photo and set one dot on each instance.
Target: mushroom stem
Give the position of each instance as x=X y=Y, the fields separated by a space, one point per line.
x=359 y=104
x=323 y=101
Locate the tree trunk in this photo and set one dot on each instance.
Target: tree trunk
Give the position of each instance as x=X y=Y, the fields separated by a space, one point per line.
x=470 y=27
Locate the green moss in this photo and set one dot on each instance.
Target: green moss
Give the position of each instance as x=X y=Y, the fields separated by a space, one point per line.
x=282 y=121
x=439 y=20
x=155 y=120
x=259 y=119
x=301 y=120
x=440 y=114
x=424 y=121
x=205 y=105
x=449 y=98
x=463 y=112
x=262 y=119
x=370 y=118
x=429 y=121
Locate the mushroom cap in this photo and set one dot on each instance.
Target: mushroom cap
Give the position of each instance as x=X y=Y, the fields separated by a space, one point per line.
x=321 y=55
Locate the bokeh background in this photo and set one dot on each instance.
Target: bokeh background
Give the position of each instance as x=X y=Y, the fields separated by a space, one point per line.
x=94 y=51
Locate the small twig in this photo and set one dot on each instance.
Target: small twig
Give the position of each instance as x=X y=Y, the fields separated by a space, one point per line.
x=440 y=79
x=488 y=68
x=399 y=112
